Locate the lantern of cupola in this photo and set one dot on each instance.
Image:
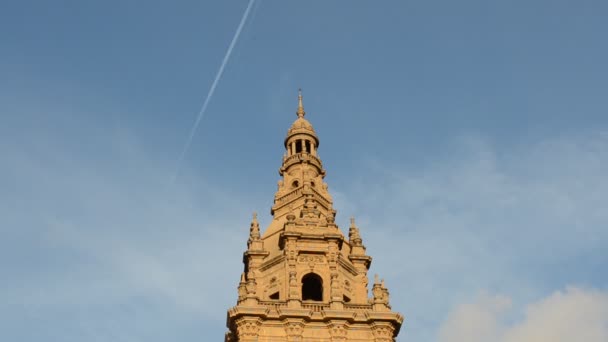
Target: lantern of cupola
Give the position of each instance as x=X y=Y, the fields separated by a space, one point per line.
x=301 y=136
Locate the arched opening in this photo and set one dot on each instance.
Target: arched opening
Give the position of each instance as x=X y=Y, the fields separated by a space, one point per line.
x=299 y=146
x=308 y=146
x=312 y=287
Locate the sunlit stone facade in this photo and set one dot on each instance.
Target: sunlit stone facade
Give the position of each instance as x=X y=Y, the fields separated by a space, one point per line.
x=303 y=279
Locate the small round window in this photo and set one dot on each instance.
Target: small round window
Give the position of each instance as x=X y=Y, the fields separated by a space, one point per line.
x=295 y=184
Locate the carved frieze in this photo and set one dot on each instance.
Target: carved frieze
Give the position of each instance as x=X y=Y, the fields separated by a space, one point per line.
x=312 y=258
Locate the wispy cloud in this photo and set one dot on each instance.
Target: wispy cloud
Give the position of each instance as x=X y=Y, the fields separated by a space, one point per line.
x=102 y=240
x=522 y=221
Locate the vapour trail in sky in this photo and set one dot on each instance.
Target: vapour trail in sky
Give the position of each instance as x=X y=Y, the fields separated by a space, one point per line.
x=218 y=76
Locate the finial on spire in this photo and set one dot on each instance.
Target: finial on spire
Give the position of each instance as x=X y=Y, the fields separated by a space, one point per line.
x=254 y=230
x=354 y=238
x=300 y=111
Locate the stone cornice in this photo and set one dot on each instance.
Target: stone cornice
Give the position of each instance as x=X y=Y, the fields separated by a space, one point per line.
x=347 y=266
x=278 y=311
x=272 y=262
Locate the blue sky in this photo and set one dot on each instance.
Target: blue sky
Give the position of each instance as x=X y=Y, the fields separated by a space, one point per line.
x=469 y=138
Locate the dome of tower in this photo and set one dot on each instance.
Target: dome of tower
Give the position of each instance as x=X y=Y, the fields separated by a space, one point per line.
x=301 y=125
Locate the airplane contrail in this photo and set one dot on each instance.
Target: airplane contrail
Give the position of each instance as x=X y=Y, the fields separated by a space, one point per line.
x=201 y=113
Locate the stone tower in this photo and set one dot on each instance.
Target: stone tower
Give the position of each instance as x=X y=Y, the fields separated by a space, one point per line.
x=303 y=279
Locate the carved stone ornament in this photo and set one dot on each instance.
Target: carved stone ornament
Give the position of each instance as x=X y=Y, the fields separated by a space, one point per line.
x=383 y=333
x=293 y=281
x=378 y=293
x=251 y=287
x=338 y=331
x=308 y=258
x=247 y=329
x=294 y=329
x=335 y=284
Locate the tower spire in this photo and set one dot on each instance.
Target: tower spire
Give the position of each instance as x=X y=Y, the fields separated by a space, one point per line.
x=300 y=111
x=303 y=279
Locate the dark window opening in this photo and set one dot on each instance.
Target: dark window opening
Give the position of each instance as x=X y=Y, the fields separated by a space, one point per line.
x=312 y=287
x=274 y=296
x=345 y=299
x=298 y=147
x=307 y=146
x=295 y=184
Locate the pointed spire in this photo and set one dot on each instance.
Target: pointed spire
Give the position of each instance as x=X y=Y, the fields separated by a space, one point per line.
x=254 y=230
x=242 y=288
x=300 y=111
x=353 y=234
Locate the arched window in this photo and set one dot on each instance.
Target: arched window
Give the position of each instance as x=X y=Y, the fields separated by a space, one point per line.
x=312 y=287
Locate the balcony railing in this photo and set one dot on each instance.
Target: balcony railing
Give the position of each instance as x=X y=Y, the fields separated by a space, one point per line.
x=289 y=196
x=315 y=306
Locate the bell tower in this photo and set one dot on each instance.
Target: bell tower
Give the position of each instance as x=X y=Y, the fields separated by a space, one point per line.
x=303 y=280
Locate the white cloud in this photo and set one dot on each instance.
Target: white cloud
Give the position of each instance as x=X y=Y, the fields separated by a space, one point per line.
x=574 y=314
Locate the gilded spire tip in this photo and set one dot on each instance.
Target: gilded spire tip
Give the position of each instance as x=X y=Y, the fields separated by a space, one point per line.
x=300 y=111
